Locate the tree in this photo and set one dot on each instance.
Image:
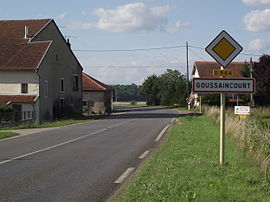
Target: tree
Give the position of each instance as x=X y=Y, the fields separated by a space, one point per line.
x=128 y=93
x=150 y=88
x=261 y=73
x=166 y=89
x=172 y=88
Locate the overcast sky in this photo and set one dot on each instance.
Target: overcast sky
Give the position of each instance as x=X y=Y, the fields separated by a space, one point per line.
x=94 y=27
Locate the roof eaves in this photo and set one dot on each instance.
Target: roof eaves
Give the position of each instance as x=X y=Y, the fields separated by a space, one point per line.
x=49 y=21
x=50 y=43
x=95 y=81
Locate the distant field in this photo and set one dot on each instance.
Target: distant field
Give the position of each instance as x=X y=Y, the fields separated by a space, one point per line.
x=128 y=103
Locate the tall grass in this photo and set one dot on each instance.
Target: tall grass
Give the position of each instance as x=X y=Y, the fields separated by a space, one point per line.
x=248 y=134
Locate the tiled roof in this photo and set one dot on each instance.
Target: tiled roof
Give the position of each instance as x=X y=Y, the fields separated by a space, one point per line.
x=5 y=99
x=89 y=83
x=16 y=51
x=205 y=69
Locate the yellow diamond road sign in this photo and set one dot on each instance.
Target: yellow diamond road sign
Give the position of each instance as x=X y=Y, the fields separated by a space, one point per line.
x=223 y=48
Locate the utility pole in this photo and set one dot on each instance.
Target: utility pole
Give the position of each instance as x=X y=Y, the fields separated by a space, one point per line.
x=187 y=75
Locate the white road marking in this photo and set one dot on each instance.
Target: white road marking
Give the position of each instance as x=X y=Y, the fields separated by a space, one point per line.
x=144 y=154
x=162 y=133
x=124 y=176
x=60 y=144
x=51 y=147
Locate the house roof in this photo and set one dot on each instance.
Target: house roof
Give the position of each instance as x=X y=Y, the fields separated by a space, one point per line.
x=6 y=99
x=89 y=83
x=18 y=52
x=205 y=69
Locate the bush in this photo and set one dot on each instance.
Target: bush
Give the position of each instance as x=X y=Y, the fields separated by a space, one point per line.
x=5 y=108
x=133 y=102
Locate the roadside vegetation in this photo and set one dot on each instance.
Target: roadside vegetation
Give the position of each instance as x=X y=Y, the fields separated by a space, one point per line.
x=63 y=122
x=4 y=135
x=252 y=135
x=186 y=168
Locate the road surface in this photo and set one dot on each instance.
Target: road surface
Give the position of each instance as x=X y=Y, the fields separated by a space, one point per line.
x=84 y=162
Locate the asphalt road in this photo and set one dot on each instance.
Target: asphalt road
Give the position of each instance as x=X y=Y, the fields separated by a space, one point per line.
x=80 y=162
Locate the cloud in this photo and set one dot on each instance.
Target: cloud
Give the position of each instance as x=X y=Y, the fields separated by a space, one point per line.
x=74 y=24
x=133 y=17
x=258 y=20
x=258 y=45
x=178 y=25
x=61 y=16
x=256 y=2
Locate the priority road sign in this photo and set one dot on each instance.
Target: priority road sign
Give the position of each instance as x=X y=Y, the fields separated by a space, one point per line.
x=223 y=48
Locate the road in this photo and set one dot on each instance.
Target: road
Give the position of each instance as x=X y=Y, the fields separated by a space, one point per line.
x=81 y=162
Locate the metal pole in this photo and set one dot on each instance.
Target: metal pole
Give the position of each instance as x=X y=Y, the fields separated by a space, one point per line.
x=200 y=104
x=187 y=72
x=222 y=127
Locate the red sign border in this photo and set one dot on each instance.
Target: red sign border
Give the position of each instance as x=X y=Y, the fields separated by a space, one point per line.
x=237 y=79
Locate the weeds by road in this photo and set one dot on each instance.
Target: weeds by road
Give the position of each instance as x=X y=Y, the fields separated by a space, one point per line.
x=186 y=168
x=4 y=135
x=64 y=122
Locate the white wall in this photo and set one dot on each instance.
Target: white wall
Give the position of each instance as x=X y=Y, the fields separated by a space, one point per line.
x=10 y=82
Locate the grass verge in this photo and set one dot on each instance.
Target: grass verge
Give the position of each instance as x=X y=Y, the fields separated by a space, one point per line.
x=186 y=168
x=58 y=123
x=4 y=135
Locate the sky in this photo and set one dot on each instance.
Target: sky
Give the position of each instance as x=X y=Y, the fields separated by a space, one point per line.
x=125 y=41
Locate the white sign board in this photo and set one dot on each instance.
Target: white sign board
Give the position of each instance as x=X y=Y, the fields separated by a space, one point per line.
x=223 y=85
x=242 y=110
x=223 y=48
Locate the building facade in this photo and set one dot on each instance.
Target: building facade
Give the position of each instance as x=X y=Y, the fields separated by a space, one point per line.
x=38 y=66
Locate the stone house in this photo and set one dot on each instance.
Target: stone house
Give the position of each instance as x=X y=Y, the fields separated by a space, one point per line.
x=38 y=70
x=97 y=97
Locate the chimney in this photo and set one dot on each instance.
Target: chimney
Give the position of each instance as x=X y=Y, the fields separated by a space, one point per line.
x=68 y=43
x=26 y=32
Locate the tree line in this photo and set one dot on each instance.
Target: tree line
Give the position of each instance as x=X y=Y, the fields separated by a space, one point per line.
x=167 y=89
x=170 y=87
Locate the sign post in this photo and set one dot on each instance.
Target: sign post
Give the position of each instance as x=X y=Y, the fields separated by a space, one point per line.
x=223 y=49
x=222 y=127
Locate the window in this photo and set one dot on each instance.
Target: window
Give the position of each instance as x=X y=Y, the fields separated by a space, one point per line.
x=46 y=88
x=29 y=114
x=75 y=82
x=62 y=85
x=24 y=88
x=62 y=104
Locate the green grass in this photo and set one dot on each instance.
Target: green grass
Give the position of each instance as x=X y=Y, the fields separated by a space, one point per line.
x=4 y=135
x=186 y=168
x=79 y=119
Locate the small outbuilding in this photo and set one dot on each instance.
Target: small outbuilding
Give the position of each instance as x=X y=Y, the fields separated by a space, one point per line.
x=97 y=96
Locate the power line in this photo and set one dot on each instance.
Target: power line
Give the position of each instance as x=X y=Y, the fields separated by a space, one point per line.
x=152 y=49
x=247 y=54
x=197 y=54
x=134 y=67
x=131 y=50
